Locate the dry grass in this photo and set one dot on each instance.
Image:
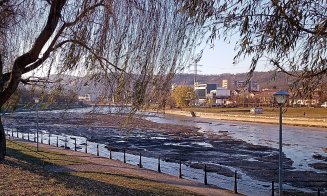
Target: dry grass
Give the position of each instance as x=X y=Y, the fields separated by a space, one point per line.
x=22 y=174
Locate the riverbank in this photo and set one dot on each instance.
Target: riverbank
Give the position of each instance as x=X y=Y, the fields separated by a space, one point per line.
x=256 y=118
x=57 y=171
x=220 y=147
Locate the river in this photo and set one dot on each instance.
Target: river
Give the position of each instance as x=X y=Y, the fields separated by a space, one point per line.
x=249 y=148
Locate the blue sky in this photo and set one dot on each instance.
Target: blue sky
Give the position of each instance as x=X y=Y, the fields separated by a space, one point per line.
x=219 y=60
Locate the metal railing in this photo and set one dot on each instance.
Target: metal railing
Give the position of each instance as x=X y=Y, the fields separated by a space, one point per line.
x=64 y=141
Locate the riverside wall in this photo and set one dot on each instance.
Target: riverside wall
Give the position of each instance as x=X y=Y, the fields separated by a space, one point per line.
x=259 y=118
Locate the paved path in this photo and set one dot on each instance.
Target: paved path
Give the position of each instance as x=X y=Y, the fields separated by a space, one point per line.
x=100 y=164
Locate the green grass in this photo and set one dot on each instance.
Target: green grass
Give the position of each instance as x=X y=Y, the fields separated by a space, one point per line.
x=22 y=174
x=317 y=113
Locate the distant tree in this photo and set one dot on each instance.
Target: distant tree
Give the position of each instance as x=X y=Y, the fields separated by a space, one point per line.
x=291 y=35
x=126 y=42
x=182 y=95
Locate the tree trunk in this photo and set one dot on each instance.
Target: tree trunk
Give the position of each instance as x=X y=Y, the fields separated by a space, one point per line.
x=2 y=141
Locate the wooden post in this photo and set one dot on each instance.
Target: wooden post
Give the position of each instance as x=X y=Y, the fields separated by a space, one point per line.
x=34 y=137
x=140 y=163
x=23 y=136
x=28 y=135
x=180 y=169
x=75 y=144
x=318 y=192
x=57 y=142
x=124 y=156
x=110 y=155
x=273 y=188
x=49 y=140
x=159 y=169
x=97 y=149
x=65 y=143
x=17 y=133
x=205 y=175
x=12 y=132
x=235 y=182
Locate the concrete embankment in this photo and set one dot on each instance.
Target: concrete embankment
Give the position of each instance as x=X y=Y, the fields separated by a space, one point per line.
x=259 y=118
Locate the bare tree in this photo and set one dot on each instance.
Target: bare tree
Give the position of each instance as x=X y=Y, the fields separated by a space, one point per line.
x=291 y=35
x=128 y=42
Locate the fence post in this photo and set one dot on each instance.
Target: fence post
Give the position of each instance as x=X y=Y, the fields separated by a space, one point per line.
x=41 y=137
x=12 y=132
x=65 y=143
x=140 y=163
x=318 y=192
x=273 y=188
x=205 y=175
x=180 y=169
x=159 y=169
x=124 y=156
x=57 y=144
x=97 y=149
x=75 y=144
x=86 y=146
x=17 y=133
x=23 y=135
x=235 y=182
x=34 y=137
x=110 y=156
x=28 y=135
x=49 y=140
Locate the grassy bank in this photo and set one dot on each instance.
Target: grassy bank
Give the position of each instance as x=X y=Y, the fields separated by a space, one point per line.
x=306 y=112
x=22 y=173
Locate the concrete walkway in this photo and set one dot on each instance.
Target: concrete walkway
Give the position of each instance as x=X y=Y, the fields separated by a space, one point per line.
x=100 y=164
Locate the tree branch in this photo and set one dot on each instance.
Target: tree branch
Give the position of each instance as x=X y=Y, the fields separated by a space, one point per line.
x=32 y=55
x=100 y=58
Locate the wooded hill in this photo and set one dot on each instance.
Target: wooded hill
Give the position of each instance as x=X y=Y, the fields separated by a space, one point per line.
x=270 y=80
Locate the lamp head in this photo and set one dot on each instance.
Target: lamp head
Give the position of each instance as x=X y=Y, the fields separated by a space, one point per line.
x=281 y=96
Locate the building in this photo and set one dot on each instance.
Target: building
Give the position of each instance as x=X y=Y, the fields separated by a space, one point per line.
x=220 y=96
x=251 y=86
x=201 y=92
x=224 y=84
x=265 y=97
x=84 y=98
x=239 y=84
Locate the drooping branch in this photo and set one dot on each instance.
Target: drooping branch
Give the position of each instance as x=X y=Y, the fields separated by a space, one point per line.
x=32 y=55
x=83 y=45
x=32 y=80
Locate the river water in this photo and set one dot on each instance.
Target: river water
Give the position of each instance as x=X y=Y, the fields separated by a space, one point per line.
x=299 y=143
x=249 y=148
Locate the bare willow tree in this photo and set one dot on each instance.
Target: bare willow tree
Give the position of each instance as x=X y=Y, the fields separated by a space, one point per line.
x=136 y=44
x=291 y=35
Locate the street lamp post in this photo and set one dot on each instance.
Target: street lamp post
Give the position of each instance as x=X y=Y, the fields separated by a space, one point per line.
x=37 y=123
x=280 y=97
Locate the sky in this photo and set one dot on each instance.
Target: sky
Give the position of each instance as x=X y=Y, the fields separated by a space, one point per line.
x=219 y=59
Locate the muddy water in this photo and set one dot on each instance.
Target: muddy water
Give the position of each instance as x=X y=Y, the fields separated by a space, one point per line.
x=251 y=149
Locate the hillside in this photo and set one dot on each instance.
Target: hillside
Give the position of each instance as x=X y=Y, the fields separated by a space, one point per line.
x=265 y=79
x=101 y=86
